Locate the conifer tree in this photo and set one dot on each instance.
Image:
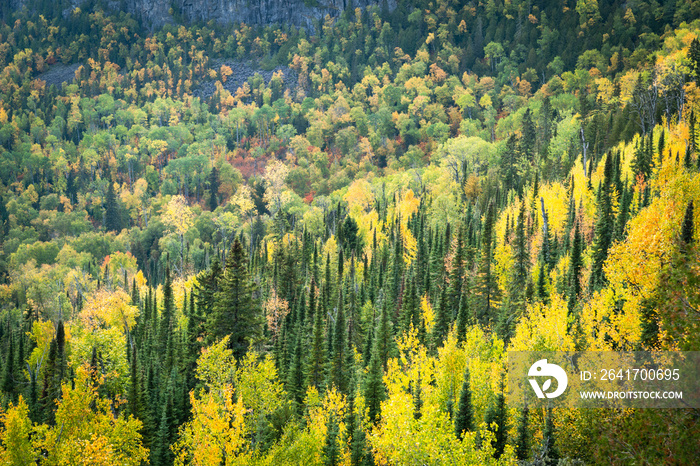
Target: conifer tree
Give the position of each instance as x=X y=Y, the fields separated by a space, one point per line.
x=166 y=319
x=213 y=189
x=575 y=268
x=457 y=272
x=463 y=318
x=522 y=443
x=337 y=375
x=496 y=413
x=548 y=434
x=417 y=400
x=112 y=217
x=317 y=356
x=692 y=133
x=487 y=284
x=688 y=228
x=331 y=452
x=295 y=381
x=442 y=321
x=464 y=420
x=235 y=311
x=604 y=226
x=410 y=307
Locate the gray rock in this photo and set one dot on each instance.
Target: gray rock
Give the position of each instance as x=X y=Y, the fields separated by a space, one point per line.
x=299 y=13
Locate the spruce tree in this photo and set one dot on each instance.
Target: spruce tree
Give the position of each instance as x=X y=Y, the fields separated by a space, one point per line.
x=295 y=377
x=575 y=266
x=331 y=452
x=496 y=413
x=604 y=226
x=442 y=321
x=317 y=356
x=487 y=284
x=688 y=228
x=463 y=318
x=213 y=189
x=337 y=374
x=464 y=420
x=693 y=140
x=235 y=311
x=457 y=273
x=522 y=443
x=113 y=220
x=548 y=434
x=374 y=386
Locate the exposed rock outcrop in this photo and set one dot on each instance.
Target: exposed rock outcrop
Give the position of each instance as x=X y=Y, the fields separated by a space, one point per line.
x=300 y=13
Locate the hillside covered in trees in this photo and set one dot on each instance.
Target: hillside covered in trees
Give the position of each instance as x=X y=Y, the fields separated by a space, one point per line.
x=247 y=244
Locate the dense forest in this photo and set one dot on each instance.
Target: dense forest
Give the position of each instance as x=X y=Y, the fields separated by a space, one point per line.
x=325 y=260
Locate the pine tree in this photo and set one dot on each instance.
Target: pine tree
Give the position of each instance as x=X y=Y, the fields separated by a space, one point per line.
x=235 y=311
x=464 y=420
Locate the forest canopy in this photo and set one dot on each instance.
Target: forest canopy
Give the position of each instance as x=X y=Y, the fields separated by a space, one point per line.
x=245 y=244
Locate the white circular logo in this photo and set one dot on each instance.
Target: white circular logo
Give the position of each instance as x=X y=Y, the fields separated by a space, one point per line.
x=542 y=369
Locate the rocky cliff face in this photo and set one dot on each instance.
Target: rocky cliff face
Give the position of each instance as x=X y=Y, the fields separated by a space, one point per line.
x=300 y=13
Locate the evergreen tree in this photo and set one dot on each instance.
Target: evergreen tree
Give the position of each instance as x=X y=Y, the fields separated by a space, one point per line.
x=113 y=220
x=337 y=374
x=575 y=265
x=693 y=137
x=410 y=314
x=374 y=385
x=527 y=141
x=213 y=189
x=464 y=420
x=166 y=321
x=442 y=321
x=548 y=434
x=317 y=356
x=463 y=318
x=522 y=443
x=235 y=310
x=487 y=283
x=496 y=413
x=688 y=228
x=457 y=272
x=331 y=452
x=295 y=382
x=604 y=226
